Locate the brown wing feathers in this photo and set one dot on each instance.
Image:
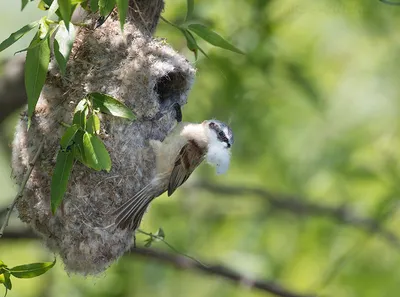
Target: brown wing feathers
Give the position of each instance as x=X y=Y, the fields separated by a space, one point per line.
x=190 y=156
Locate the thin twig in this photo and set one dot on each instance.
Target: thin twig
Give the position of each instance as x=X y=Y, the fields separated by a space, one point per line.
x=170 y=246
x=22 y=187
x=182 y=262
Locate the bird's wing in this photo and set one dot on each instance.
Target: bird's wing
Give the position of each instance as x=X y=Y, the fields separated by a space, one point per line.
x=190 y=156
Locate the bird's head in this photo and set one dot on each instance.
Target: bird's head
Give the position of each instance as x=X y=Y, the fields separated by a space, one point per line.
x=219 y=133
x=220 y=140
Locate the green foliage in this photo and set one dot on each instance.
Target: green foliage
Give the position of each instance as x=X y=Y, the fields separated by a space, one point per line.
x=213 y=38
x=63 y=42
x=22 y=271
x=17 y=35
x=110 y=105
x=122 y=6
x=80 y=141
x=37 y=61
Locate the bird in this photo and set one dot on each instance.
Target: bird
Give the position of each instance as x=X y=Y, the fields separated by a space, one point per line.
x=181 y=152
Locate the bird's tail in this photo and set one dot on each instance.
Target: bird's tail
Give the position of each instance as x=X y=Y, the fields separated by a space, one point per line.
x=130 y=214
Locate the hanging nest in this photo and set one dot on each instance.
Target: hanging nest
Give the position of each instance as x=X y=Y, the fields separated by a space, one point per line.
x=145 y=74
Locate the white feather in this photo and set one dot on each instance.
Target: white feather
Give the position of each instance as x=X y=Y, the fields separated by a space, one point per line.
x=218 y=155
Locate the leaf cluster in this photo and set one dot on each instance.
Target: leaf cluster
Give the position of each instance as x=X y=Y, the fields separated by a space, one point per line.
x=81 y=142
x=22 y=271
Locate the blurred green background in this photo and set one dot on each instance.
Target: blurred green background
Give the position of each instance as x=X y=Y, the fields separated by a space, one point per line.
x=314 y=106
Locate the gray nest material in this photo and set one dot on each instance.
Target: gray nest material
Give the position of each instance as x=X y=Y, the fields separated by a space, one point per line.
x=148 y=76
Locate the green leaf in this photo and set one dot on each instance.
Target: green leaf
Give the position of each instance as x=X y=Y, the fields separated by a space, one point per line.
x=52 y=9
x=7 y=281
x=59 y=181
x=65 y=9
x=68 y=136
x=160 y=233
x=94 y=5
x=95 y=152
x=122 y=6
x=23 y=4
x=31 y=270
x=106 y=6
x=213 y=38
x=36 y=65
x=190 y=8
x=110 y=105
x=63 y=42
x=93 y=124
x=80 y=113
x=17 y=35
x=190 y=42
x=2 y=265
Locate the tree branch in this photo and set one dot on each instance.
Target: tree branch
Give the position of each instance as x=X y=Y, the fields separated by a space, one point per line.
x=185 y=263
x=300 y=206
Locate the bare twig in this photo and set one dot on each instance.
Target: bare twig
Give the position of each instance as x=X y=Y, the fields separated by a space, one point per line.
x=22 y=187
x=302 y=207
x=170 y=246
x=182 y=262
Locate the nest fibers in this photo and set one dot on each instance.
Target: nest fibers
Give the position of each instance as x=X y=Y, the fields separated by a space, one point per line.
x=148 y=76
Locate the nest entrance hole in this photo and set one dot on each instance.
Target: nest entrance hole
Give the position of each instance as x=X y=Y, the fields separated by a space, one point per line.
x=170 y=88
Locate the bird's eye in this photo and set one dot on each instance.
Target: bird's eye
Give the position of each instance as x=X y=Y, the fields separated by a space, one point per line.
x=221 y=134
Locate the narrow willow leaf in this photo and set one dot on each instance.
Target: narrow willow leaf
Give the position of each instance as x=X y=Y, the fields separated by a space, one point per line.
x=14 y=37
x=23 y=4
x=7 y=281
x=190 y=42
x=65 y=9
x=2 y=265
x=106 y=6
x=110 y=105
x=213 y=37
x=59 y=181
x=68 y=136
x=93 y=124
x=190 y=8
x=94 y=5
x=36 y=64
x=96 y=154
x=122 y=6
x=78 y=149
x=63 y=42
x=31 y=270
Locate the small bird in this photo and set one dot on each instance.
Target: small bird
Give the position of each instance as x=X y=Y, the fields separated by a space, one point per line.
x=176 y=158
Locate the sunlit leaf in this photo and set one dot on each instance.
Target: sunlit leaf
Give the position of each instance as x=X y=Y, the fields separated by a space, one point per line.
x=68 y=136
x=63 y=43
x=110 y=105
x=190 y=8
x=96 y=154
x=59 y=181
x=52 y=9
x=14 y=37
x=31 y=270
x=213 y=37
x=36 y=65
x=123 y=6
x=65 y=8
x=93 y=124
x=80 y=113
